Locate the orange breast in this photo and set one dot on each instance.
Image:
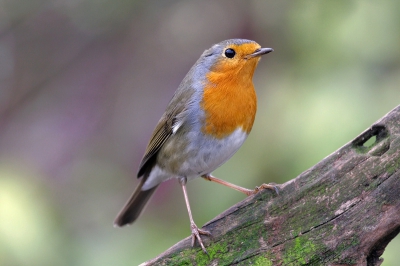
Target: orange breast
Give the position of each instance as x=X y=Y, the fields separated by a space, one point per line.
x=229 y=100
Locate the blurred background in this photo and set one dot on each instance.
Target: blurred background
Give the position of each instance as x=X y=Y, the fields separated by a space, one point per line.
x=84 y=82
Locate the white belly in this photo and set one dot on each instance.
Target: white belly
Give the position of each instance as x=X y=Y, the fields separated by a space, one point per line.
x=212 y=153
x=200 y=157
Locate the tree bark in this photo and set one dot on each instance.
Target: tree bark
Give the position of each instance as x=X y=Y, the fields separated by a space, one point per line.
x=342 y=211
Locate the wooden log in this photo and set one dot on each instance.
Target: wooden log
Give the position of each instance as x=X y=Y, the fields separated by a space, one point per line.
x=342 y=211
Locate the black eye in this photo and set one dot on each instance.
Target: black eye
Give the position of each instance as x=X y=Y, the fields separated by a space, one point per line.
x=230 y=53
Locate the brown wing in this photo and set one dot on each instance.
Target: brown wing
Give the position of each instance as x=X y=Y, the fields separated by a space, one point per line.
x=172 y=119
x=164 y=129
x=160 y=135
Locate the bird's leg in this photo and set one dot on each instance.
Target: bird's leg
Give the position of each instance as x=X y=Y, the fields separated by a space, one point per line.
x=246 y=191
x=196 y=232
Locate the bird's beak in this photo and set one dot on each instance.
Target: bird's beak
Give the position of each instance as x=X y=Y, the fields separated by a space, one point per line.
x=259 y=52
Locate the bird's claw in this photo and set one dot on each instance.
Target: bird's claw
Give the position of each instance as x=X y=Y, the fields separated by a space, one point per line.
x=266 y=186
x=196 y=232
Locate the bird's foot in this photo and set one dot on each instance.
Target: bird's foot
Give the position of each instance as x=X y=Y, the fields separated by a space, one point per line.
x=250 y=192
x=196 y=232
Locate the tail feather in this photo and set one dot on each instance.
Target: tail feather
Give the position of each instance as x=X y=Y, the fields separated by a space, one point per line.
x=135 y=205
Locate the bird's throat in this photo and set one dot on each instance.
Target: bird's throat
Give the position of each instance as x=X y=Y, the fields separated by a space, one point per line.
x=229 y=103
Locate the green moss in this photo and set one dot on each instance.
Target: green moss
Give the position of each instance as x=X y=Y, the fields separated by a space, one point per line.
x=393 y=167
x=215 y=251
x=299 y=252
x=230 y=249
x=184 y=258
x=262 y=261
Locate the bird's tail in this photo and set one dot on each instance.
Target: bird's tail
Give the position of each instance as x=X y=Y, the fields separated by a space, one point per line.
x=135 y=205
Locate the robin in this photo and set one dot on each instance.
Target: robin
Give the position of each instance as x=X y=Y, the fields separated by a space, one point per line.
x=205 y=123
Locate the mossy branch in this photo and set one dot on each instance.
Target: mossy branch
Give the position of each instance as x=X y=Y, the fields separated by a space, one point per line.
x=342 y=211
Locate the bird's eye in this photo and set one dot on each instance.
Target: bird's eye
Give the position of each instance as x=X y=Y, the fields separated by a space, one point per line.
x=230 y=53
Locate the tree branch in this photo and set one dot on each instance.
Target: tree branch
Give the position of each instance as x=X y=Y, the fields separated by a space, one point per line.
x=342 y=211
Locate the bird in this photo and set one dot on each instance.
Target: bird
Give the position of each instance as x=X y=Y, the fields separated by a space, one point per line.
x=207 y=120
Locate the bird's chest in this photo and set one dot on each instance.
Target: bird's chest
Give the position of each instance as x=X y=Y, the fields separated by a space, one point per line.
x=228 y=105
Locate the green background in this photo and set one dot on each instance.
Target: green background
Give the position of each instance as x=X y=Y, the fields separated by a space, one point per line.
x=84 y=82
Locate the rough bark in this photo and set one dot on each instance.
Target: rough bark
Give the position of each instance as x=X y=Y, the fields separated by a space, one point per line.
x=342 y=211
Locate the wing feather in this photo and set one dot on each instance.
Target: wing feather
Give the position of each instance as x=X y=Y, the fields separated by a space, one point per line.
x=166 y=127
x=174 y=117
